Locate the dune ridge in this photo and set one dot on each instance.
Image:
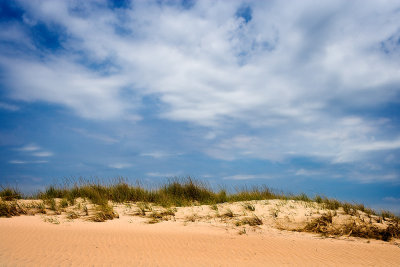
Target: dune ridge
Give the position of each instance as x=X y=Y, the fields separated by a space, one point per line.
x=203 y=235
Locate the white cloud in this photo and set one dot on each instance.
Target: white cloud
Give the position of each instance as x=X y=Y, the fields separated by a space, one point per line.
x=283 y=75
x=248 y=176
x=43 y=154
x=379 y=145
x=159 y=154
x=29 y=148
x=120 y=165
x=164 y=175
x=17 y=162
x=305 y=172
x=27 y=162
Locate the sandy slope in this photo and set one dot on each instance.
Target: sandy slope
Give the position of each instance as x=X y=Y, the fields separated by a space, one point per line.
x=29 y=241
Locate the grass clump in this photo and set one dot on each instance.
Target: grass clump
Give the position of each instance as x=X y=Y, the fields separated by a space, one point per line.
x=228 y=214
x=320 y=225
x=9 y=193
x=252 y=221
x=9 y=209
x=249 y=206
x=72 y=215
x=104 y=212
x=324 y=226
x=144 y=207
x=63 y=203
x=157 y=216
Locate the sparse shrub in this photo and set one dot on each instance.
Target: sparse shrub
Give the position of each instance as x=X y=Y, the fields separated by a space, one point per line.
x=192 y=218
x=318 y=199
x=275 y=213
x=349 y=209
x=8 y=193
x=301 y=197
x=143 y=208
x=8 y=209
x=41 y=208
x=85 y=210
x=214 y=207
x=105 y=212
x=249 y=206
x=252 y=221
x=53 y=220
x=387 y=215
x=331 y=204
x=72 y=215
x=320 y=225
x=64 y=203
x=228 y=213
x=52 y=204
x=166 y=215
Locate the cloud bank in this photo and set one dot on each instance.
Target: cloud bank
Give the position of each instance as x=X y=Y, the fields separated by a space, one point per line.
x=268 y=80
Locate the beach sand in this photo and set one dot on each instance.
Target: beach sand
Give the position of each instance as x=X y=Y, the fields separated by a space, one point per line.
x=130 y=241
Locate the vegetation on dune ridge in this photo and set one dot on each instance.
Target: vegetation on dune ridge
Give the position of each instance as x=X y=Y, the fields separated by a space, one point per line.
x=176 y=192
x=188 y=192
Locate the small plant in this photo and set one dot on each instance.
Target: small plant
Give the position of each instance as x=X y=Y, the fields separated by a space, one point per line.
x=320 y=225
x=252 y=221
x=52 y=203
x=161 y=216
x=228 y=213
x=72 y=215
x=53 y=220
x=10 y=209
x=387 y=215
x=41 y=208
x=275 y=213
x=214 y=207
x=64 y=203
x=249 y=206
x=143 y=208
x=242 y=231
x=105 y=212
x=192 y=218
x=8 y=193
x=85 y=210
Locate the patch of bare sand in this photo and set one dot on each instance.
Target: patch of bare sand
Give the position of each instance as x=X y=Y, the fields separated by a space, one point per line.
x=29 y=241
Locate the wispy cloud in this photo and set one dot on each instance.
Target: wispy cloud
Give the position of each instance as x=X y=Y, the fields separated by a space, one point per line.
x=120 y=165
x=27 y=162
x=248 y=176
x=17 y=162
x=9 y=107
x=160 y=174
x=305 y=172
x=392 y=199
x=96 y=136
x=159 y=154
x=29 y=148
x=43 y=154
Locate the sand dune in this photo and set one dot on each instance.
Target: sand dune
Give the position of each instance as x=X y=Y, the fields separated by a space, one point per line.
x=29 y=241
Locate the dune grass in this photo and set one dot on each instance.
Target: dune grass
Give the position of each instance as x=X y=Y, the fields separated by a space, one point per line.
x=176 y=192
x=9 y=193
x=189 y=192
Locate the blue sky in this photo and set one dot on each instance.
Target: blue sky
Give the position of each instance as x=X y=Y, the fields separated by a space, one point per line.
x=303 y=96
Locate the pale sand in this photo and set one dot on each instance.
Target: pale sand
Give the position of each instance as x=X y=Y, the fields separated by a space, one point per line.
x=28 y=241
x=209 y=241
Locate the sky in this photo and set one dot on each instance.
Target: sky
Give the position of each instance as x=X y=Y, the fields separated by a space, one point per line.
x=301 y=96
